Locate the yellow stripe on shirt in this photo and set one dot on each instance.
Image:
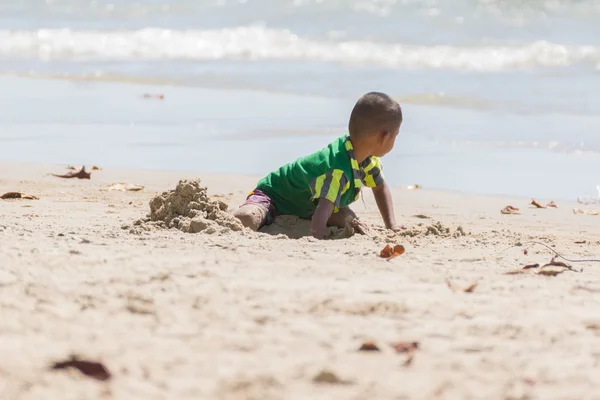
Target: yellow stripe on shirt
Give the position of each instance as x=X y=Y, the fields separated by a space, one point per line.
x=334 y=187
x=319 y=185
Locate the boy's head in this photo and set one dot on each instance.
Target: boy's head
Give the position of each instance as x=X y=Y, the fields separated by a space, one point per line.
x=375 y=122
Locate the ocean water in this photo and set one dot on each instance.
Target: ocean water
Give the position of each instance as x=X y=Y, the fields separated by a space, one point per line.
x=499 y=96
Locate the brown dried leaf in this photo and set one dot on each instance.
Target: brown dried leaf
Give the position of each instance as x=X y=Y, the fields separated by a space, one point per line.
x=369 y=346
x=92 y=369
x=468 y=289
x=405 y=347
x=530 y=266
x=78 y=167
x=471 y=288
x=81 y=174
x=329 y=377
x=557 y=264
x=388 y=252
x=536 y=204
x=517 y=271
x=17 y=195
x=551 y=270
x=587 y=212
x=510 y=210
x=409 y=359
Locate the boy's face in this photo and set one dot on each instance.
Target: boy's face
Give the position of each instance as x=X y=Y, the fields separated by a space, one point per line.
x=386 y=141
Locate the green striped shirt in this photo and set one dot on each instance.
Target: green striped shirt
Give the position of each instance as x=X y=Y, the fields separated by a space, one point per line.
x=331 y=173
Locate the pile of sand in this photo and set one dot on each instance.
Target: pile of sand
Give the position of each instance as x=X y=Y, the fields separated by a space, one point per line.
x=434 y=229
x=295 y=228
x=189 y=209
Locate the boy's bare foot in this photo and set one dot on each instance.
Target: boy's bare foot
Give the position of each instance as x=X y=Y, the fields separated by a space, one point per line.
x=251 y=216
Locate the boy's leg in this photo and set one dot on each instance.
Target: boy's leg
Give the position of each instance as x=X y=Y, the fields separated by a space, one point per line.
x=256 y=212
x=252 y=216
x=342 y=217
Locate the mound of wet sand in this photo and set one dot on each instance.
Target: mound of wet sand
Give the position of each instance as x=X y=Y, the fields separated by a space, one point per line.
x=189 y=209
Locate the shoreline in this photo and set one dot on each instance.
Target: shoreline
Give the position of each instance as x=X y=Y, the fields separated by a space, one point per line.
x=161 y=177
x=158 y=178
x=231 y=131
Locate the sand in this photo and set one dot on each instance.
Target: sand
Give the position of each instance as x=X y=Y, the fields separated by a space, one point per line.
x=233 y=315
x=190 y=209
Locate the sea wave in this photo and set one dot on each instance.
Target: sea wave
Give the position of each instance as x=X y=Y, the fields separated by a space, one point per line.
x=261 y=43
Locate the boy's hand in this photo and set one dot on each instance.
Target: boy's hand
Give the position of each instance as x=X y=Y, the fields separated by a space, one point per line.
x=383 y=198
x=318 y=224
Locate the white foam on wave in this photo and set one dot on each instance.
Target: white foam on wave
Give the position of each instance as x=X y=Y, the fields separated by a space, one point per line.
x=259 y=43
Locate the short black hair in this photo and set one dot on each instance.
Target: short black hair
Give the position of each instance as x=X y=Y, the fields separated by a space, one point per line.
x=374 y=112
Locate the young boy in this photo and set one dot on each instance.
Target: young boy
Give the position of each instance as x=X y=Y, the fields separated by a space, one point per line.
x=322 y=185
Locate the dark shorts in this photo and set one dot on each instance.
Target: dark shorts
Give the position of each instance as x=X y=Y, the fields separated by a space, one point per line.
x=257 y=197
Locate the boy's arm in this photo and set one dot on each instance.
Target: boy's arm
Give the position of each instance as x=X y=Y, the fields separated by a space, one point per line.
x=383 y=198
x=319 y=220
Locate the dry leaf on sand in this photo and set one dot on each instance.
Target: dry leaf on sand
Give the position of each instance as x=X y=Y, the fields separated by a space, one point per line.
x=81 y=174
x=555 y=263
x=330 y=378
x=518 y=271
x=588 y=212
x=89 y=368
x=457 y=289
x=125 y=187
x=510 y=210
x=553 y=268
x=388 y=252
x=409 y=359
x=17 y=195
x=408 y=348
x=405 y=347
x=78 y=167
x=369 y=346
x=538 y=205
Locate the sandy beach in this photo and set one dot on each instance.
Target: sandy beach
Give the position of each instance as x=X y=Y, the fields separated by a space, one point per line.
x=243 y=315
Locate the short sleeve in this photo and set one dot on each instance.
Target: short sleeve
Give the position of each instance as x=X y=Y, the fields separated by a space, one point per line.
x=373 y=172
x=329 y=186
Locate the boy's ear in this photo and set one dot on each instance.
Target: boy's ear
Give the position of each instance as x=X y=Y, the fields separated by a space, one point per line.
x=383 y=135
